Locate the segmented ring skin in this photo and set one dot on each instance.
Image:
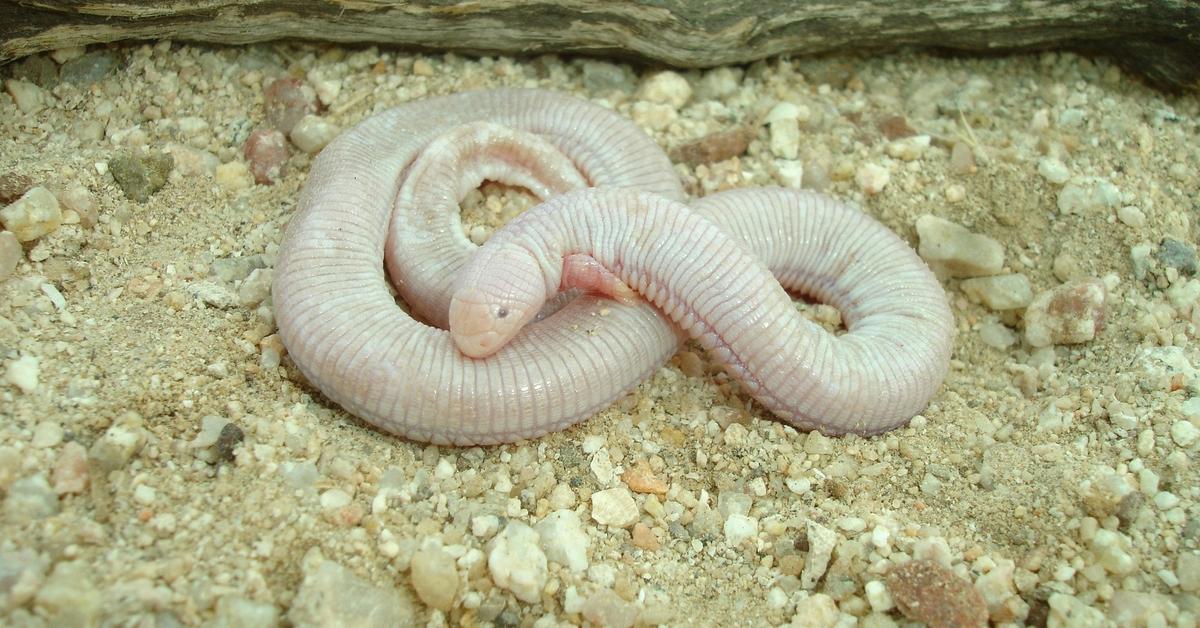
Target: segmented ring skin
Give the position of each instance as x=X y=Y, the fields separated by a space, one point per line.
x=375 y=188
x=697 y=267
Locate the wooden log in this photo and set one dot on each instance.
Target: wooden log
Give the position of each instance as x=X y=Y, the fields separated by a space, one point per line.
x=1157 y=39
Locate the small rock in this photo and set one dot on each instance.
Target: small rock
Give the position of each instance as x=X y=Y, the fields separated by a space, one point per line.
x=714 y=147
x=605 y=608
x=517 y=563
x=435 y=578
x=32 y=216
x=69 y=597
x=28 y=97
x=78 y=199
x=738 y=528
x=996 y=335
x=871 y=178
x=89 y=68
x=783 y=123
x=23 y=373
x=267 y=152
x=233 y=176
x=231 y=436
x=641 y=479
x=29 y=499
x=999 y=292
x=821 y=541
x=956 y=250
x=256 y=288
x=332 y=595
x=141 y=175
x=908 y=148
x=1178 y=255
x=10 y=254
x=1088 y=195
x=233 y=269
x=644 y=537
x=1053 y=170
x=790 y=173
x=1069 y=314
x=70 y=471
x=962 y=159
x=116 y=447
x=190 y=161
x=1110 y=550
x=602 y=77
x=13 y=186
x=1187 y=570
x=36 y=69
x=312 y=133
x=1132 y=216
x=1184 y=433
x=614 y=507
x=47 y=434
x=668 y=88
x=235 y=611
x=563 y=540
x=818 y=610
x=925 y=591
x=288 y=100
x=895 y=127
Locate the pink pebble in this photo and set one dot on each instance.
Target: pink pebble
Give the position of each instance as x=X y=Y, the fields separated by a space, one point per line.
x=288 y=100
x=267 y=152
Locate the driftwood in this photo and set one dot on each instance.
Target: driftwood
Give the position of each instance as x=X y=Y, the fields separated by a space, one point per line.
x=1157 y=39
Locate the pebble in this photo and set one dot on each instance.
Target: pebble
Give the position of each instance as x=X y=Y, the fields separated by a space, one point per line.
x=962 y=159
x=231 y=436
x=614 y=507
x=116 y=447
x=235 y=611
x=190 y=161
x=641 y=479
x=997 y=335
x=47 y=434
x=1088 y=195
x=1053 y=170
x=142 y=174
x=951 y=247
x=790 y=173
x=256 y=287
x=895 y=127
x=668 y=88
x=600 y=77
x=312 y=133
x=234 y=269
x=1069 y=314
x=908 y=148
x=871 y=178
x=1184 y=433
x=1132 y=216
x=878 y=596
x=1187 y=570
x=783 y=124
x=13 y=186
x=332 y=595
x=32 y=216
x=925 y=591
x=821 y=541
x=816 y=611
x=644 y=537
x=68 y=597
x=1178 y=255
x=1110 y=550
x=434 y=577
x=714 y=147
x=28 y=97
x=288 y=100
x=738 y=528
x=1068 y=610
x=89 y=68
x=605 y=608
x=70 y=471
x=999 y=292
x=563 y=540
x=517 y=563
x=23 y=373
x=30 y=498
x=267 y=152
x=78 y=199
x=233 y=176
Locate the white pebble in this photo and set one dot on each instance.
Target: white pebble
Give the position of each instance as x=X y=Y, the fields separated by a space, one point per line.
x=47 y=434
x=1184 y=433
x=908 y=148
x=668 y=88
x=821 y=541
x=738 y=528
x=783 y=122
x=994 y=334
x=23 y=373
x=10 y=254
x=312 y=133
x=1132 y=216
x=789 y=172
x=144 y=495
x=563 y=539
x=517 y=563
x=614 y=507
x=1053 y=170
x=954 y=249
x=872 y=178
x=29 y=97
x=33 y=215
x=484 y=526
x=1108 y=546
x=1088 y=195
x=999 y=292
x=335 y=498
x=878 y=596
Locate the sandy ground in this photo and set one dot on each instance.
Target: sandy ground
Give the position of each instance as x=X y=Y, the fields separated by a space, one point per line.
x=1059 y=482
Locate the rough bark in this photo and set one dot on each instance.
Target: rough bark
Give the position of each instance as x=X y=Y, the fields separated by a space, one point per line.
x=1158 y=39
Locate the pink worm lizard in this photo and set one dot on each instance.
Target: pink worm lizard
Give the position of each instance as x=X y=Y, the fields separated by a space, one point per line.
x=346 y=332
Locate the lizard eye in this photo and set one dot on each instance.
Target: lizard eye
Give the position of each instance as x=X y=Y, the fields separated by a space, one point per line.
x=502 y=312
